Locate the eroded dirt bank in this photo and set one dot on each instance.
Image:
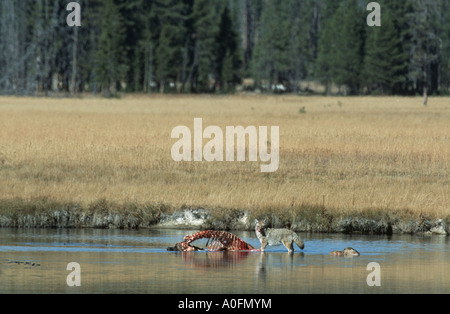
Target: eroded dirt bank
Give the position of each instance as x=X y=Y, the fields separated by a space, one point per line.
x=308 y=219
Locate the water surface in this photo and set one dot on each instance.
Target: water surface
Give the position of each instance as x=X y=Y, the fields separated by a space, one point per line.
x=136 y=261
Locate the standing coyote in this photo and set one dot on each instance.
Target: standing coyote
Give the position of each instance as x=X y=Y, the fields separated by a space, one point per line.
x=271 y=236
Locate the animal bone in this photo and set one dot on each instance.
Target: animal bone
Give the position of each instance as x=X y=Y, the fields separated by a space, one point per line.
x=217 y=241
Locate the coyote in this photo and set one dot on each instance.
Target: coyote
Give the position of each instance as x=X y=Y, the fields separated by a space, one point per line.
x=270 y=236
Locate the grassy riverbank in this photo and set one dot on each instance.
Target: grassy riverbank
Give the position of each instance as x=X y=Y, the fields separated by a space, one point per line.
x=339 y=157
x=44 y=213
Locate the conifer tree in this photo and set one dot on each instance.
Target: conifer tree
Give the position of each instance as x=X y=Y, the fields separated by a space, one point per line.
x=445 y=30
x=206 y=27
x=425 y=47
x=325 y=63
x=271 y=58
x=171 y=41
x=228 y=59
x=349 y=45
x=384 y=64
x=301 y=49
x=111 y=63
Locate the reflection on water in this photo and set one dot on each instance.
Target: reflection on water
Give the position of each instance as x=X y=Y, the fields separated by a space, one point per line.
x=121 y=261
x=214 y=259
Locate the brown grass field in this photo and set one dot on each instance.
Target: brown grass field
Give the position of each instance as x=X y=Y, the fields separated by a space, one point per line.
x=344 y=153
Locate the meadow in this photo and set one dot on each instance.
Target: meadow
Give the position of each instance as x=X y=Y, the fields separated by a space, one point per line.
x=345 y=154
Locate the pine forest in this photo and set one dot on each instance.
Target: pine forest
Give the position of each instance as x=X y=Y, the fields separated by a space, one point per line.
x=224 y=46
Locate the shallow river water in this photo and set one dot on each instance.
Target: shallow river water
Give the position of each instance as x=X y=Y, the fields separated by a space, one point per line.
x=136 y=261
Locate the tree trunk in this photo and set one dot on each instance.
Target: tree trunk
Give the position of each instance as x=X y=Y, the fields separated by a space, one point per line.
x=150 y=69
x=194 y=66
x=184 y=65
x=73 y=84
x=425 y=85
x=425 y=96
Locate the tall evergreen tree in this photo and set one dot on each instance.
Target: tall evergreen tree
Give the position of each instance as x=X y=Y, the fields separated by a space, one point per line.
x=425 y=48
x=325 y=63
x=135 y=15
x=111 y=60
x=43 y=20
x=205 y=27
x=301 y=48
x=228 y=59
x=144 y=60
x=445 y=61
x=271 y=58
x=250 y=17
x=384 y=64
x=10 y=47
x=169 y=52
x=349 y=21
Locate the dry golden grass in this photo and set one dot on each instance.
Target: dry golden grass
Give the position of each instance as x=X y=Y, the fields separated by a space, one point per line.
x=350 y=153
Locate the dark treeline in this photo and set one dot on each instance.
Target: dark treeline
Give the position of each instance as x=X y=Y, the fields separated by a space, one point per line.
x=210 y=46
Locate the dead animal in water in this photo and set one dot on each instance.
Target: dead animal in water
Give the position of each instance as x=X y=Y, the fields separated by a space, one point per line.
x=217 y=241
x=347 y=252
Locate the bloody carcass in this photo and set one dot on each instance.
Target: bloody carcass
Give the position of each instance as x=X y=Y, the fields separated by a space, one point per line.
x=217 y=241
